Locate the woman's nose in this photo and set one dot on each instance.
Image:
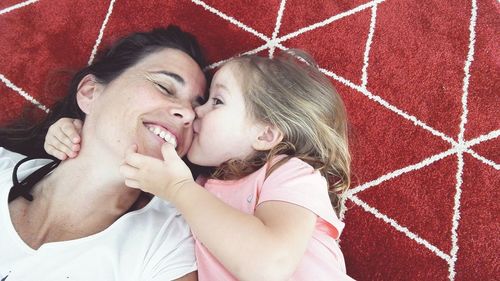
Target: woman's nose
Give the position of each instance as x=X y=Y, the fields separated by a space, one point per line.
x=184 y=112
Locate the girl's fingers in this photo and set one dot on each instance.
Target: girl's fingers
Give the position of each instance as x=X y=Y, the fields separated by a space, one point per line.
x=132 y=183
x=133 y=158
x=70 y=132
x=78 y=125
x=128 y=171
x=58 y=136
x=63 y=148
x=55 y=152
x=168 y=151
x=63 y=138
x=76 y=148
x=52 y=144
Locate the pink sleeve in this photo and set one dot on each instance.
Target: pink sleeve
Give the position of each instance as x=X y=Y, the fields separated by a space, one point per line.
x=298 y=183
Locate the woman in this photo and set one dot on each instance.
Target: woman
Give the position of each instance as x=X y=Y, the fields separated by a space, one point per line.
x=78 y=220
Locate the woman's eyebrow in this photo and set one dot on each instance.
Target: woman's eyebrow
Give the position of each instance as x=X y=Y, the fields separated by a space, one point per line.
x=172 y=75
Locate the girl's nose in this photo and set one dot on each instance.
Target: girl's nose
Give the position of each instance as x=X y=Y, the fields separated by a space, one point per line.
x=199 y=110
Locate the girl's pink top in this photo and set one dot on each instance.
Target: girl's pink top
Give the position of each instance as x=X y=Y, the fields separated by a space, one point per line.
x=295 y=182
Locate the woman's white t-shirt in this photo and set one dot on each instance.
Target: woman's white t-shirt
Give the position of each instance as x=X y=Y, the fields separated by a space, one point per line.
x=153 y=243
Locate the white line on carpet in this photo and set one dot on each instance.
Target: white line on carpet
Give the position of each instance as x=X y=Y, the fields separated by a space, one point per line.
x=329 y=20
x=399 y=172
x=277 y=27
x=456 y=215
x=459 y=175
x=413 y=236
x=389 y=106
x=101 y=32
x=271 y=43
x=17 y=6
x=364 y=75
x=23 y=93
x=480 y=139
x=426 y=162
x=231 y=20
x=250 y=52
x=483 y=159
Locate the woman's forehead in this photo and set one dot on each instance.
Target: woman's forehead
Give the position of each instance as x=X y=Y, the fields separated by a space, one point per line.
x=176 y=65
x=171 y=59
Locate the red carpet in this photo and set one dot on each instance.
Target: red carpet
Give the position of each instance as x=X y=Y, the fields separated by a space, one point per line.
x=421 y=80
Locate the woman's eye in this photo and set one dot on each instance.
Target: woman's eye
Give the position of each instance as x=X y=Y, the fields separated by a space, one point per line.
x=164 y=89
x=216 y=101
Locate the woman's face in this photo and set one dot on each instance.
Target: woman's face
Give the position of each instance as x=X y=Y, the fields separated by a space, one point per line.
x=148 y=104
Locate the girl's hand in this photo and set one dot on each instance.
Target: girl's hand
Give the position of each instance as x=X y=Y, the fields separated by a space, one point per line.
x=63 y=138
x=162 y=178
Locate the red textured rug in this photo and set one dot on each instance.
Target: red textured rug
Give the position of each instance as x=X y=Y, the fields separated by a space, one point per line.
x=421 y=80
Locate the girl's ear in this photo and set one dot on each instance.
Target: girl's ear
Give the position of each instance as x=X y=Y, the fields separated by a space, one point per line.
x=268 y=138
x=87 y=92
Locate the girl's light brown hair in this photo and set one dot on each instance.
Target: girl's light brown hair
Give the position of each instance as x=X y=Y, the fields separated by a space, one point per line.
x=290 y=93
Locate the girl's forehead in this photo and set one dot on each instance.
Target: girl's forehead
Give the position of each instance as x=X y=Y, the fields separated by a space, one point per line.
x=230 y=69
x=225 y=67
x=227 y=78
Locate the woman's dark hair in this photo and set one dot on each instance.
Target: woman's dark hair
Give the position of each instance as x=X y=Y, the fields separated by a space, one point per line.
x=108 y=65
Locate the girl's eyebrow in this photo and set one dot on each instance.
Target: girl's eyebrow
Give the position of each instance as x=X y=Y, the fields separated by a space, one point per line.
x=221 y=86
x=172 y=75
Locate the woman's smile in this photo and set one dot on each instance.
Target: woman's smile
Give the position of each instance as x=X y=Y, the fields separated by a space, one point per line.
x=163 y=133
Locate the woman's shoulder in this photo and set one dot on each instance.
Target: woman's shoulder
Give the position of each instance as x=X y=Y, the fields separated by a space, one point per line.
x=8 y=161
x=159 y=213
x=9 y=158
x=156 y=222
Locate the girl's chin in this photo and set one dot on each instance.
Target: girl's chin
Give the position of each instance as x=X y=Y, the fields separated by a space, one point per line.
x=189 y=157
x=193 y=158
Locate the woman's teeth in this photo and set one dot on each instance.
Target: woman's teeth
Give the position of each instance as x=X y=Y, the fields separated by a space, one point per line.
x=167 y=136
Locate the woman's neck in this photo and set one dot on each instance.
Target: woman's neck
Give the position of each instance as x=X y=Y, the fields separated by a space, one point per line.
x=79 y=198
x=89 y=185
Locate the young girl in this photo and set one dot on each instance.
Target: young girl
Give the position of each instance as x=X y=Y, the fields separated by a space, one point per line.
x=275 y=131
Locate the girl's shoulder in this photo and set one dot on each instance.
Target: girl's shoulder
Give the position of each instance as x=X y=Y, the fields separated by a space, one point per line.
x=293 y=173
x=293 y=167
x=297 y=182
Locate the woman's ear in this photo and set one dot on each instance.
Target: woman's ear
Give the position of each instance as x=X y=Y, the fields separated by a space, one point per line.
x=268 y=138
x=87 y=92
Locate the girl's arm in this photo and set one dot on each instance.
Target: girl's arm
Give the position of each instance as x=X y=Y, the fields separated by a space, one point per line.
x=267 y=246
x=63 y=138
x=264 y=246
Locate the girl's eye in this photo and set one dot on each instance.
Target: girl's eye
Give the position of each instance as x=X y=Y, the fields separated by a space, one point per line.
x=164 y=90
x=216 y=101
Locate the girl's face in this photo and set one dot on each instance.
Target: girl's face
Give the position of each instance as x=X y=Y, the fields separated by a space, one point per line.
x=223 y=129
